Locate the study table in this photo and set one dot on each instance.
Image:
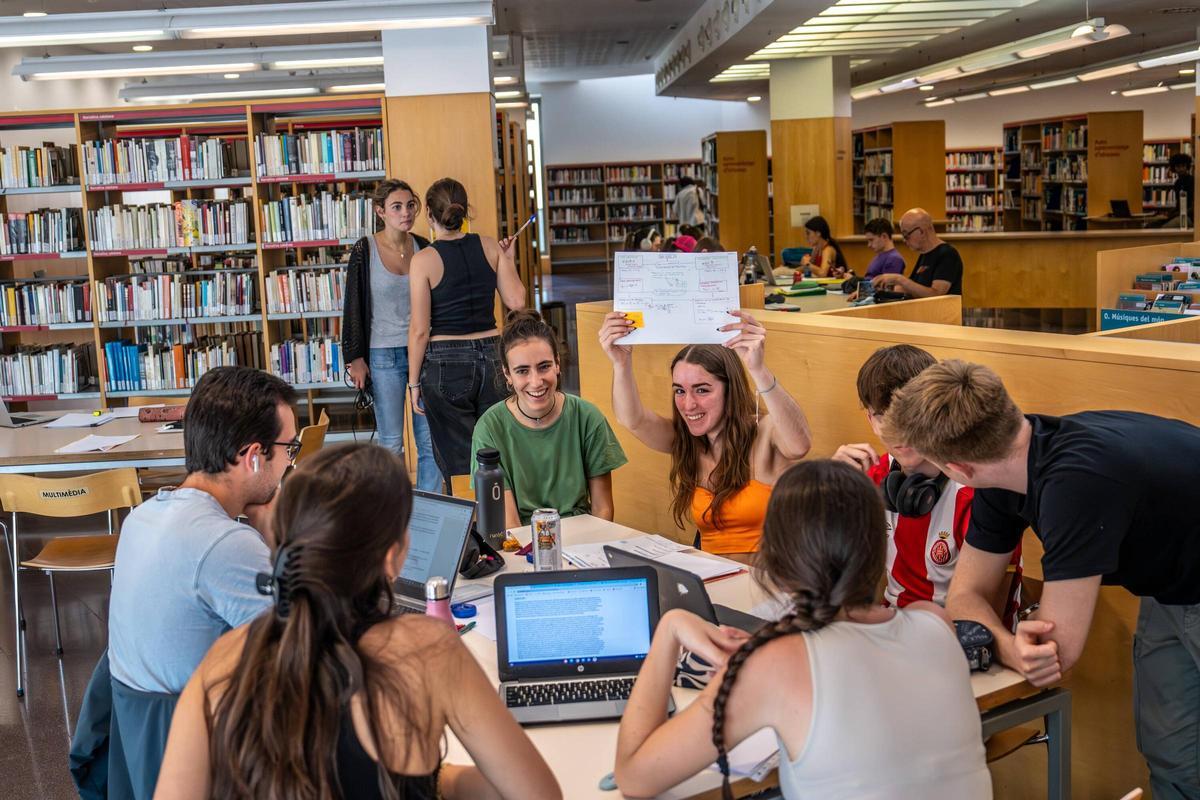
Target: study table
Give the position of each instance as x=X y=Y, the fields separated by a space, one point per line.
x=31 y=449
x=580 y=754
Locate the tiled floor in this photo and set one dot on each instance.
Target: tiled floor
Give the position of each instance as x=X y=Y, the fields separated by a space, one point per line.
x=34 y=739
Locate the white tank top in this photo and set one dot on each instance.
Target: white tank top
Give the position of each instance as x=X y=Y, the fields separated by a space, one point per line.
x=893 y=716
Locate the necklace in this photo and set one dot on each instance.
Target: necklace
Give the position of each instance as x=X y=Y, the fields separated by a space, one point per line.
x=536 y=420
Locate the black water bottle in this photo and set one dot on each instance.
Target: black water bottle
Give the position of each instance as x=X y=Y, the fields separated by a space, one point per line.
x=489 y=497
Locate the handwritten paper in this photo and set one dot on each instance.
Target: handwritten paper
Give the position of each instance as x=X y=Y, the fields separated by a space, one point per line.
x=682 y=297
x=93 y=443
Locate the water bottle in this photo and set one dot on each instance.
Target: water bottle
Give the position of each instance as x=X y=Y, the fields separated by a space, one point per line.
x=437 y=599
x=749 y=264
x=489 y=497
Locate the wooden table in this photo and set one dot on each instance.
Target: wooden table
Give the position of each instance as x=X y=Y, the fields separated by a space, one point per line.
x=583 y=753
x=31 y=449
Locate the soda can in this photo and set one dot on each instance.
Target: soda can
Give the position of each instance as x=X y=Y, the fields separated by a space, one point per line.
x=547 y=540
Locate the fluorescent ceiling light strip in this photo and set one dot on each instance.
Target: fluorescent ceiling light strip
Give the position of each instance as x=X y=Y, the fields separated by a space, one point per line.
x=125 y=72
x=1051 y=84
x=281 y=91
x=1166 y=61
x=962 y=98
x=1147 y=90
x=308 y=28
x=318 y=63
x=48 y=39
x=357 y=87
x=936 y=103
x=1010 y=90
x=1108 y=72
x=1176 y=86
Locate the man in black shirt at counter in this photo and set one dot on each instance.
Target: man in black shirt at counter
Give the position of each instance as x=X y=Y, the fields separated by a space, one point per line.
x=939 y=268
x=1185 y=187
x=1107 y=493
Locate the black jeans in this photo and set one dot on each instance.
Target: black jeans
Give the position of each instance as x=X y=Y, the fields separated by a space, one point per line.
x=460 y=379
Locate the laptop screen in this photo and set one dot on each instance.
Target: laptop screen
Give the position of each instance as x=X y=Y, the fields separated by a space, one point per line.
x=577 y=622
x=436 y=533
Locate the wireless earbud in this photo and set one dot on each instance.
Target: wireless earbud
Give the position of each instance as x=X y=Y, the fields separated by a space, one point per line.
x=254 y=463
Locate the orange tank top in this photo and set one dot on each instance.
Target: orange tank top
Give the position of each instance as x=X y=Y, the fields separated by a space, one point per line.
x=742 y=518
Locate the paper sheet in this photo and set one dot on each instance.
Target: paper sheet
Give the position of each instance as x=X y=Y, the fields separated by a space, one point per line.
x=755 y=756
x=485 y=618
x=132 y=411
x=591 y=556
x=76 y=420
x=93 y=443
x=703 y=567
x=683 y=297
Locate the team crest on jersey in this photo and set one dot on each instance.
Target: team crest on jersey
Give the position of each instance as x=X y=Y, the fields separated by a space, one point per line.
x=940 y=552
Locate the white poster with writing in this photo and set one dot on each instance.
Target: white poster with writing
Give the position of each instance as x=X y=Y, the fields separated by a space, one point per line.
x=676 y=298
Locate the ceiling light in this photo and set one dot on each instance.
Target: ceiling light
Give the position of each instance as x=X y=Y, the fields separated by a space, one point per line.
x=1057 y=82
x=962 y=98
x=1147 y=90
x=926 y=88
x=520 y=104
x=357 y=87
x=1191 y=85
x=1114 y=91
x=1187 y=72
x=232 y=76
x=143 y=48
x=754 y=98
x=282 y=91
x=936 y=103
x=1170 y=60
x=1109 y=72
x=899 y=86
x=319 y=63
x=146 y=69
x=1010 y=90
x=310 y=28
x=940 y=75
x=994 y=61
x=509 y=94
x=77 y=37
x=497 y=54
x=34 y=14
x=504 y=80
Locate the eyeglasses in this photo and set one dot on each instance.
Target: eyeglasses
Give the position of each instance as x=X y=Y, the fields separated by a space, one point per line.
x=904 y=234
x=292 y=448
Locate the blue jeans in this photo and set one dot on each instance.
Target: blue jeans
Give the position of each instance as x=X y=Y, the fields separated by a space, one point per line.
x=460 y=379
x=389 y=381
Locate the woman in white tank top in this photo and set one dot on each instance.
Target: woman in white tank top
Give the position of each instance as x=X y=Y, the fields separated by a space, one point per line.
x=866 y=702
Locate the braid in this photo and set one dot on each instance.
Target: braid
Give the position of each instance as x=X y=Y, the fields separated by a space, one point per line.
x=811 y=612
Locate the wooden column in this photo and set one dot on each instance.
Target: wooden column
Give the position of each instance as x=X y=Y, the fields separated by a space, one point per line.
x=811 y=165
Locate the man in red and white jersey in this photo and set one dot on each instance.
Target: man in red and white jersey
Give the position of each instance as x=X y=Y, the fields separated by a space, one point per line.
x=927 y=513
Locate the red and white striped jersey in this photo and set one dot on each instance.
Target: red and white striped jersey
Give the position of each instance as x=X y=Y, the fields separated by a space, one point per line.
x=922 y=551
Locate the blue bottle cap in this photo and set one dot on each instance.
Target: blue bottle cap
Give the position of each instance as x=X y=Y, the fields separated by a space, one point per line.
x=463 y=610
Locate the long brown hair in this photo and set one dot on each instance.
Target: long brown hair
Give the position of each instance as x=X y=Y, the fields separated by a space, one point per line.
x=383 y=190
x=824 y=542
x=732 y=471
x=275 y=728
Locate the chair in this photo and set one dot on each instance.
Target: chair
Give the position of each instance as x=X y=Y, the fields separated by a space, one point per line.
x=312 y=437
x=63 y=497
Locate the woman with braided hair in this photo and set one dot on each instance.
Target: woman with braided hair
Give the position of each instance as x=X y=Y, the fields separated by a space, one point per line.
x=865 y=701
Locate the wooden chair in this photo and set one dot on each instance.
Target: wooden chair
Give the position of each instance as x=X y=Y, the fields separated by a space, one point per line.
x=312 y=437
x=63 y=497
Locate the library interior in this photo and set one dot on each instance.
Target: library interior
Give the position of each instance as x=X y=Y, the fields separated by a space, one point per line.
x=312 y=311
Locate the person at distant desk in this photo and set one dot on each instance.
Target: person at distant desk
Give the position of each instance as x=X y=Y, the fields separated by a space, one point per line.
x=826 y=259
x=939 y=267
x=1185 y=188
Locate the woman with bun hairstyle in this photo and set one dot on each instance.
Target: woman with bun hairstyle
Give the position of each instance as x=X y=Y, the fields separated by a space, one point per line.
x=557 y=450
x=331 y=694
x=375 y=319
x=865 y=701
x=453 y=373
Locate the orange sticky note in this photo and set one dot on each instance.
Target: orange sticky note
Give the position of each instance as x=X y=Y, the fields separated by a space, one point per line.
x=637 y=318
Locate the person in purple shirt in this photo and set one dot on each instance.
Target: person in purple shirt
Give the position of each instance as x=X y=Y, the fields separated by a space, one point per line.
x=878 y=233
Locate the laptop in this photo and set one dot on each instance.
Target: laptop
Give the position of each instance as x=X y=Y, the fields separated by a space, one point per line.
x=678 y=588
x=20 y=420
x=437 y=534
x=1119 y=209
x=569 y=643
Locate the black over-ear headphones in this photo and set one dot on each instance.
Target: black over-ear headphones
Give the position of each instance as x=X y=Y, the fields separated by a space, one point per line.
x=911 y=495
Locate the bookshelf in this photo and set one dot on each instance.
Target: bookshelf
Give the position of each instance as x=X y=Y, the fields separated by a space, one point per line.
x=975 y=190
x=593 y=207
x=1158 y=193
x=897 y=167
x=734 y=173
x=515 y=200
x=1060 y=171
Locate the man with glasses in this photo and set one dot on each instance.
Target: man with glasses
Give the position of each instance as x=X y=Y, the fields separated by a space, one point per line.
x=939 y=267
x=185 y=564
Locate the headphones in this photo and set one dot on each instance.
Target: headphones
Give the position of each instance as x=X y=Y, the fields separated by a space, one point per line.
x=648 y=242
x=911 y=495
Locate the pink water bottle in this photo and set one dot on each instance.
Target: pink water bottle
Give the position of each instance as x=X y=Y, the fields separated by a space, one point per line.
x=437 y=599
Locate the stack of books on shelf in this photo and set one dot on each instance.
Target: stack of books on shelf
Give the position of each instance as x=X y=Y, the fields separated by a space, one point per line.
x=642 y=212
x=320 y=217
x=156 y=367
x=673 y=172
x=1174 y=289
x=636 y=173
x=622 y=193
x=577 y=216
x=34 y=167
x=184 y=223
x=43 y=231
x=568 y=196
x=319 y=152
x=160 y=266
x=126 y=298
x=982 y=160
x=111 y=162
x=303 y=291
x=584 y=175
x=1157 y=176
x=49 y=302
x=317 y=360
x=878 y=164
x=35 y=370
x=571 y=235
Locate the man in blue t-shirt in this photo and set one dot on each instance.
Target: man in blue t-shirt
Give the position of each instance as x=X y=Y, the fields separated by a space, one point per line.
x=185 y=565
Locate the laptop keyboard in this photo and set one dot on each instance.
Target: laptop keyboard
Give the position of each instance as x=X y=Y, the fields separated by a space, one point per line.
x=589 y=691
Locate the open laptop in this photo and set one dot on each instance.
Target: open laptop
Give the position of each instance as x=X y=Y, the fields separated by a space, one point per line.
x=1119 y=209
x=570 y=643
x=678 y=588
x=20 y=420
x=437 y=534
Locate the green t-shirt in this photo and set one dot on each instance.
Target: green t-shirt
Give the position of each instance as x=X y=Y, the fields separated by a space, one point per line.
x=550 y=468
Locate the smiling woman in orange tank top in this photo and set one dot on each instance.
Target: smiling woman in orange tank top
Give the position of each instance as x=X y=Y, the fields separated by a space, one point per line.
x=725 y=457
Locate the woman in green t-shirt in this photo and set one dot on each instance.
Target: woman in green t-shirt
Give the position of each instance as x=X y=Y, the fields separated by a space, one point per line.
x=557 y=450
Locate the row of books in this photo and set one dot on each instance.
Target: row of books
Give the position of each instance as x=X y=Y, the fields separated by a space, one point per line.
x=319 y=152
x=584 y=214
x=1157 y=175
x=636 y=173
x=46 y=303
x=1066 y=169
x=971 y=202
x=154 y=367
x=1031 y=184
x=580 y=175
x=31 y=167
x=127 y=298
x=877 y=164
x=184 y=223
x=959 y=159
x=301 y=291
x=878 y=192
x=1074 y=200
x=1031 y=157
x=973 y=223
x=622 y=193
x=572 y=196
x=969 y=180
x=673 y=172
x=635 y=211
x=48 y=369
x=306 y=218
x=316 y=360
x=205 y=261
x=571 y=235
x=1164 y=151
x=1159 y=197
x=177 y=158
x=46 y=230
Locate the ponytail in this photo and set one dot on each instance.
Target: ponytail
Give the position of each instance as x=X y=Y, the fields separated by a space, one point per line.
x=447 y=202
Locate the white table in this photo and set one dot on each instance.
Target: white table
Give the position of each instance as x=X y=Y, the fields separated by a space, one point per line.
x=580 y=754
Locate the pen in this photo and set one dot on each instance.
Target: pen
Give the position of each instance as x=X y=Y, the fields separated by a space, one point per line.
x=465 y=629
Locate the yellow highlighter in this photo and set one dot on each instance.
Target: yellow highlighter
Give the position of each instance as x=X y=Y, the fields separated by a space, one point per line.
x=636 y=317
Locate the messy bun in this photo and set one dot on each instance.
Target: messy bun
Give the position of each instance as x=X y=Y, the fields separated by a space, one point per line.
x=447 y=202
x=523 y=324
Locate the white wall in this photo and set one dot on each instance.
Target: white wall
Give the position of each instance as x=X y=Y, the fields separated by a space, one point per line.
x=621 y=119
x=979 y=123
x=19 y=95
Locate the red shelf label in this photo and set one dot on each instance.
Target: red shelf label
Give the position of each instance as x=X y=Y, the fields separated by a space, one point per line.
x=314 y=243
x=315 y=178
x=125 y=187
x=29 y=256
x=107 y=253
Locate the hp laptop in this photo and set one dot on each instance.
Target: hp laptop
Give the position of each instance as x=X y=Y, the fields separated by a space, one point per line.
x=678 y=588
x=20 y=420
x=437 y=534
x=570 y=643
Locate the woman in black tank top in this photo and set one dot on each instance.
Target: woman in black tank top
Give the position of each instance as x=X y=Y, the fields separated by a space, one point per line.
x=331 y=693
x=454 y=372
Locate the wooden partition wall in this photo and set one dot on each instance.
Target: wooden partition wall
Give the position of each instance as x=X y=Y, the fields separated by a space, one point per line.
x=817 y=357
x=1117 y=269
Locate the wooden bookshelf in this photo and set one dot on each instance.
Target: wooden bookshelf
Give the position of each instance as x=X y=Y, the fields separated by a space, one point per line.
x=975 y=190
x=1158 y=193
x=734 y=167
x=515 y=201
x=897 y=167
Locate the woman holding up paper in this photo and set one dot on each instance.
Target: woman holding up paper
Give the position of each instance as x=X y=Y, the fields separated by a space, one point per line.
x=725 y=457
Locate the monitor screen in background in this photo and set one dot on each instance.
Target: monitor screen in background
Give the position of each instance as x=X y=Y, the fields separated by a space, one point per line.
x=571 y=623
x=436 y=532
